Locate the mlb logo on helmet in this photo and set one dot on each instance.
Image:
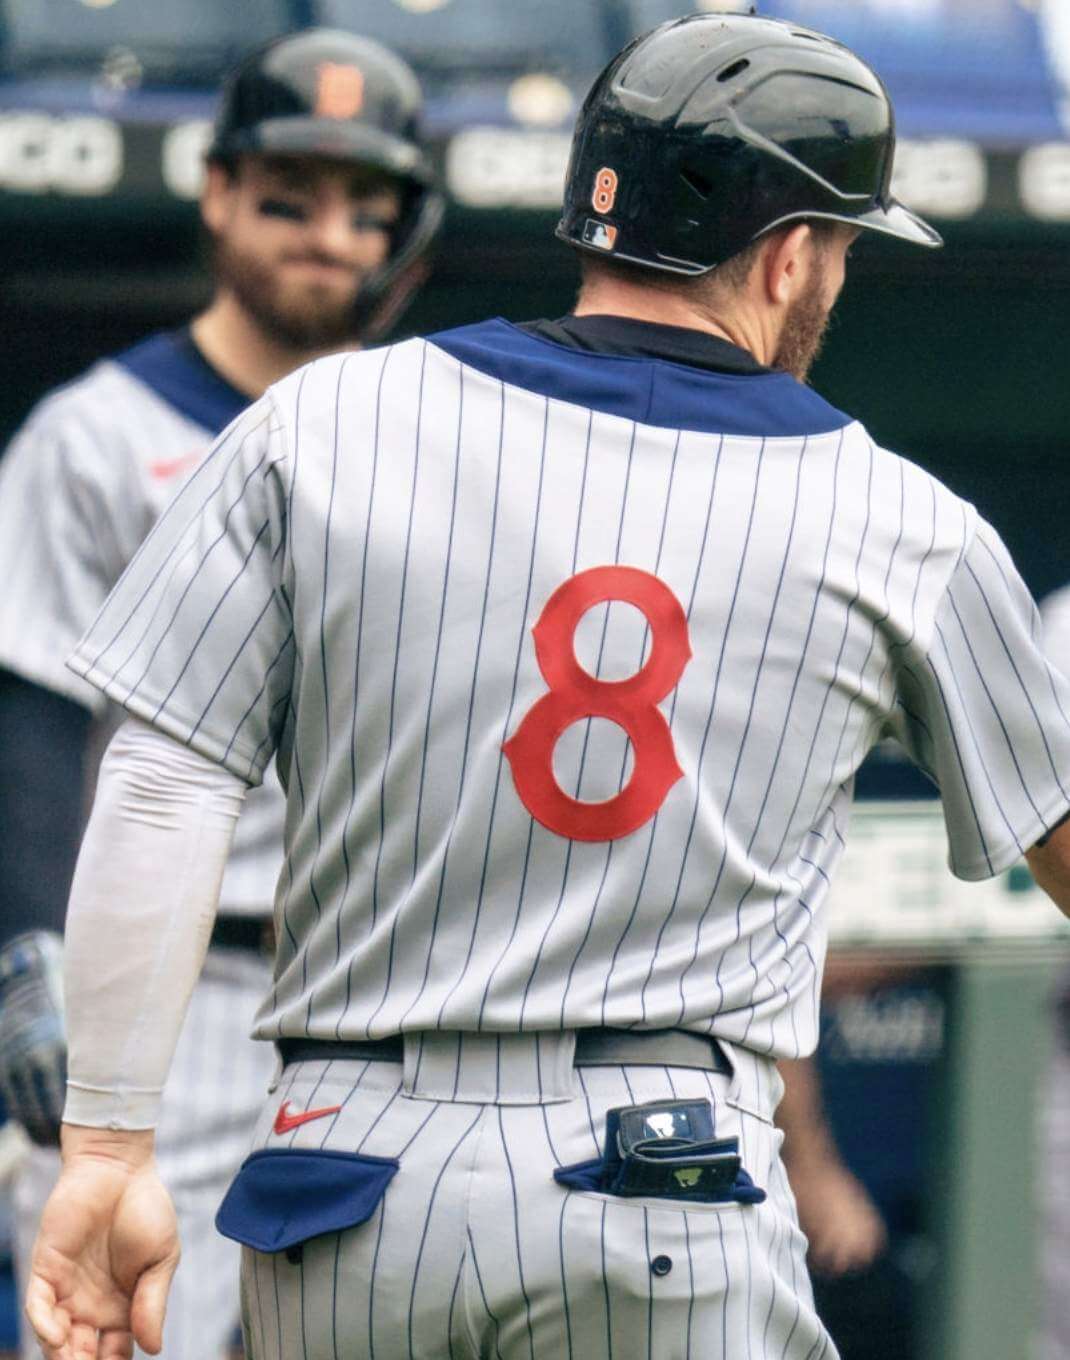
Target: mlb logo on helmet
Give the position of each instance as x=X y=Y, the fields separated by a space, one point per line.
x=599 y=234
x=339 y=90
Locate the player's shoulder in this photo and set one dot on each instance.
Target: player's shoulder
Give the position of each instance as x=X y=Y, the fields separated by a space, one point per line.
x=317 y=390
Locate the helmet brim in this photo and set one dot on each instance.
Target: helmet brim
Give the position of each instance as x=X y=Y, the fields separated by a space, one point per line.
x=895 y=220
x=333 y=139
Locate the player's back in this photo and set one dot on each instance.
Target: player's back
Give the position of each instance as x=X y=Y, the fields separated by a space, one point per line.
x=768 y=562
x=570 y=658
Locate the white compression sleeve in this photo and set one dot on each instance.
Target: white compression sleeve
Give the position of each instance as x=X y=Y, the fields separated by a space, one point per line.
x=142 y=906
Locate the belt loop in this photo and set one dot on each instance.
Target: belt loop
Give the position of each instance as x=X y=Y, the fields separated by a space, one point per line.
x=502 y=1069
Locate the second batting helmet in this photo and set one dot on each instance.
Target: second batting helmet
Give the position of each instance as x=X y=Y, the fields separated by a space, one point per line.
x=324 y=92
x=712 y=129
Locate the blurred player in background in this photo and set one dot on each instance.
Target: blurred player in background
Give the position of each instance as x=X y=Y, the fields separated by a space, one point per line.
x=319 y=206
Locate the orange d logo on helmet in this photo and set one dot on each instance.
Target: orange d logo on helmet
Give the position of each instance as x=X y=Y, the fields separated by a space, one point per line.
x=339 y=90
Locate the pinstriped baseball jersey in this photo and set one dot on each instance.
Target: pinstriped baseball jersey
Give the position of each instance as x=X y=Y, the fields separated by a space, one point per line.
x=569 y=661
x=80 y=487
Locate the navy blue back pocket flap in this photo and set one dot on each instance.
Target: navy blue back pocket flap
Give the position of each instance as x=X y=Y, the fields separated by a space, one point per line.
x=281 y=1197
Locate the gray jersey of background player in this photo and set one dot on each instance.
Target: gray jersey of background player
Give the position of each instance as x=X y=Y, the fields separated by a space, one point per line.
x=319 y=206
x=494 y=942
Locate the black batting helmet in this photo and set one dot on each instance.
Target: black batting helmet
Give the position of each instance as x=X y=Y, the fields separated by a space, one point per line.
x=712 y=129
x=324 y=92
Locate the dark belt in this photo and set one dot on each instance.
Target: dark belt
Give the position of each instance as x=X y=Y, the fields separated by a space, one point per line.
x=254 y=933
x=598 y=1047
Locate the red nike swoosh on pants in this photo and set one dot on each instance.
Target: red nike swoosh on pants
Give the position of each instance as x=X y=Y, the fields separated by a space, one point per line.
x=285 y=1122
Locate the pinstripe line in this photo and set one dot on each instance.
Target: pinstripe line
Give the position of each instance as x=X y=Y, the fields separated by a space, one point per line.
x=453 y=1303
x=356 y=690
x=427 y=1219
x=505 y=732
x=564 y=1277
x=394 y=695
x=516 y=1234
x=727 y=1291
x=255 y=1258
x=605 y=1287
x=371 y=1280
x=483 y=1296
x=649 y=1289
x=691 y=1280
x=304 y=1339
x=278 y=1305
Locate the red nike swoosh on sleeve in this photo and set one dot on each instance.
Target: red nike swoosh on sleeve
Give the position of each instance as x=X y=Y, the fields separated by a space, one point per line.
x=169 y=466
x=284 y=1122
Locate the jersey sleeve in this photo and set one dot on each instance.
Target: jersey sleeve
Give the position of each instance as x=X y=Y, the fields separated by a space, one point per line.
x=60 y=550
x=196 y=638
x=987 y=714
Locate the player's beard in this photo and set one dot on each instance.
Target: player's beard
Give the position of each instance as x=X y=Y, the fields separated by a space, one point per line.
x=309 y=317
x=804 y=329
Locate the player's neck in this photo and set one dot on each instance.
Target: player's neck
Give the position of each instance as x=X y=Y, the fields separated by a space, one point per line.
x=241 y=351
x=619 y=298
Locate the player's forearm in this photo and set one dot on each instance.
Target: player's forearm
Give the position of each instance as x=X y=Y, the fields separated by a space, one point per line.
x=1050 y=865
x=141 y=911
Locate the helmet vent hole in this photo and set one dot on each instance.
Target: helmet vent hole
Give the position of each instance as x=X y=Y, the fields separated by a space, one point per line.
x=730 y=72
x=699 y=183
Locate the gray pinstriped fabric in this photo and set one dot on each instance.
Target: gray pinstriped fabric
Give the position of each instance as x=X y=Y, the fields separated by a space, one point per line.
x=351 y=579
x=81 y=485
x=469 y=1256
x=353 y=575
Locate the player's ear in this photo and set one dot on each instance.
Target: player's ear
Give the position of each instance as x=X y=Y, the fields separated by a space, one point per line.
x=219 y=180
x=784 y=263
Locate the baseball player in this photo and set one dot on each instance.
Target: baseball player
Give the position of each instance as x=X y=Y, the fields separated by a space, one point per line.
x=568 y=639
x=319 y=205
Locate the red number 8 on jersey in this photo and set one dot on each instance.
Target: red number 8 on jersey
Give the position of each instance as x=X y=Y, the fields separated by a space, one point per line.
x=575 y=694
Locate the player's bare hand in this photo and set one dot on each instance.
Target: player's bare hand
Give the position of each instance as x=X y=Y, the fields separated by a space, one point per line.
x=844 y=1226
x=105 y=1253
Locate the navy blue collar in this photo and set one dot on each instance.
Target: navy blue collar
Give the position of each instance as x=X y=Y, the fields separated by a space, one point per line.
x=649 y=390
x=172 y=365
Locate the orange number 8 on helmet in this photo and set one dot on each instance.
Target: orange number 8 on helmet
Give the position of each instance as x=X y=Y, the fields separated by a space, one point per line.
x=605 y=190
